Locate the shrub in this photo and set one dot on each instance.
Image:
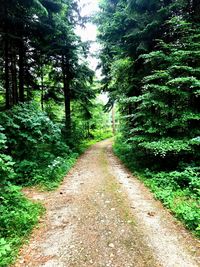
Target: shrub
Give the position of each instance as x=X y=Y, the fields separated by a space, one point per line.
x=29 y=131
x=6 y=162
x=32 y=140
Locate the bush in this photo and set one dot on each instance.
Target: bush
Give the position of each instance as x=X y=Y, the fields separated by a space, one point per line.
x=32 y=140
x=187 y=178
x=6 y=168
x=29 y=132
x=6 y=162
x=99 y=134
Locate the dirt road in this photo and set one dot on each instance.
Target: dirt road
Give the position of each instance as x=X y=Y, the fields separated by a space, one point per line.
x=102 y=216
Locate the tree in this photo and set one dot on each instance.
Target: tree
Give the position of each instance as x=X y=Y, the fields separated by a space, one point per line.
x=149 y=57
x=41 y=52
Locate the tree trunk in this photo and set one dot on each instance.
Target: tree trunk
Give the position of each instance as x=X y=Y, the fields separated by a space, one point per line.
x=66 y=89
x=7 y=87
x=42 y=89
x=196 y=10
x=113 y=119
x=6 y=59
x=21 y=72
x=14 y=79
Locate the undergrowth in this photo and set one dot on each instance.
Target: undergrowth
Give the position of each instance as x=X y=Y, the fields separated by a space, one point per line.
x=50 y=178
x=179 y=190
x=18 y=216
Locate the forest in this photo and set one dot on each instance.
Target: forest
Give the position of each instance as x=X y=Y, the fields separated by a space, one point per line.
x=50 y=112
x=151 y=67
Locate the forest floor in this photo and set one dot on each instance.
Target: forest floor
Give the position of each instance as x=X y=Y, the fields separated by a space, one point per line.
x=102 y=216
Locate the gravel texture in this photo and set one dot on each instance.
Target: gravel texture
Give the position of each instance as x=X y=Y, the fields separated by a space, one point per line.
x=102 y=216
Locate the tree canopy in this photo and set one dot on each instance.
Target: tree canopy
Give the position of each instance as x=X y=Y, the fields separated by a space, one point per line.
x=150 y=61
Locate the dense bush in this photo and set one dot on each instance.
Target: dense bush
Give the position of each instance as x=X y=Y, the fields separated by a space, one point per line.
x=6 y=162
x=33 y=147
x=32 y=140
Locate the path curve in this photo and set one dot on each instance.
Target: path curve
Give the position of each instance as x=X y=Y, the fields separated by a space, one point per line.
x=102 y=216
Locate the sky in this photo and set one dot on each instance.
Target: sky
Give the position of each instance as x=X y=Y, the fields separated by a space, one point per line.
x=89 y=33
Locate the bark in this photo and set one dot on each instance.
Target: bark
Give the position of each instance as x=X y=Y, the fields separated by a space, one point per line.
x=66 y=89
x=113 y=119
x=42 y=89
x=196 y=10
x=7 y=87
x=6 y=60
x=14 y=79
x=21 y=72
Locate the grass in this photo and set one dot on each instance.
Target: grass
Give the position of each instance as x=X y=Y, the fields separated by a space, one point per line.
x=98 y=136
x=18 y=216
x=112 y=187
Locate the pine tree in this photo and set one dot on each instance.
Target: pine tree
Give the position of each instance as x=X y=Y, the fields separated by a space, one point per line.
x=151 y=67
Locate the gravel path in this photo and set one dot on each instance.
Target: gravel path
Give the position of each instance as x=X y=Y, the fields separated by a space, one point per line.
x=102 y=216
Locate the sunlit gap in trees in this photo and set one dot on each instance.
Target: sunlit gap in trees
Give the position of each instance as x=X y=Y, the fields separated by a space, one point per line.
x=88 y=33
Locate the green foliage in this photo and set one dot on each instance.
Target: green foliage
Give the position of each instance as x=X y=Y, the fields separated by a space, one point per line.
x=188 y=178
x=2 y=139
x=56 y=170
x=150 y=64
x=34 y=142
x=90 y=123
x=17 y=218
x=6 y=168
x=6 y=162
x=28 y=129
x=4 y=250
x=102 y=134
x=166 y=146
x=34 y=149
x=177 y=191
